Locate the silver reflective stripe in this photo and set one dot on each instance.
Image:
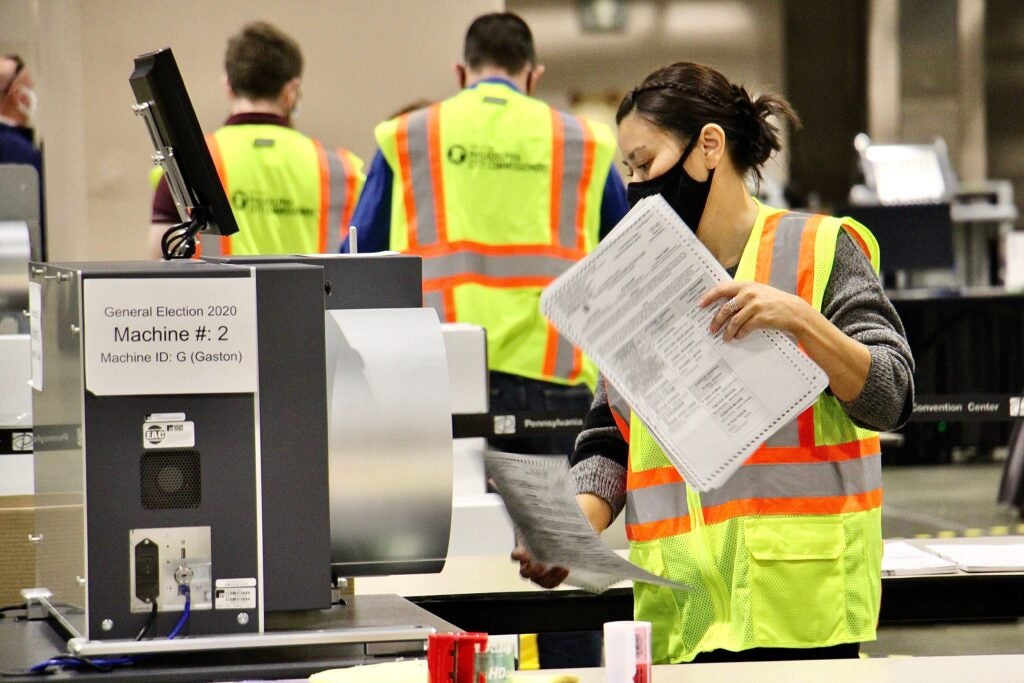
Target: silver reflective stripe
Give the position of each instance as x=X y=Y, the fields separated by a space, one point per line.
x=336 y=186
x=786 y=251
x=802 y=480
x=422 y=184
x=512 y=265
x=616 y=401
x=209 y=245
x=569 y=207
x=655 y=503
x=572 y=173
x=788 y=436
x=435 y=300
x=564 y=355
x=785 y=261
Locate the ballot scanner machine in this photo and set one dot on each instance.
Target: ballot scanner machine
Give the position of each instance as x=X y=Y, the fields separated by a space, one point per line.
x=218 y=441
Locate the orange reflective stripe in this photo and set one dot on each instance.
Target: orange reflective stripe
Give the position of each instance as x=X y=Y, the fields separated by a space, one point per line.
x=844 y=451
x=763 y=269
x=581 y=191
x=550 y=350
x=218 y=161
x=577 y=364
x=766 y=455
x=653 y=477
x=489 y=281
x=805 y=290
x=820 y=505
x=436 y=177
x=858 y=239
x=325 y=193
x=557 y=160
x=405 y=165
x=351 y=183
x=805 y=424
x=622 y=423
x=663 y=528
x=449 y=304
x=823 y=505
x=805 y=264
x=222 y=173
x=497 y=250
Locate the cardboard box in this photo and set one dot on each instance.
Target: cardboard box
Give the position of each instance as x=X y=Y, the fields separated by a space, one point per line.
x=17 y=554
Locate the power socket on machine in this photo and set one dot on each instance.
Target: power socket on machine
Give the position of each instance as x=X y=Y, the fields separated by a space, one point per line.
x=162 y=560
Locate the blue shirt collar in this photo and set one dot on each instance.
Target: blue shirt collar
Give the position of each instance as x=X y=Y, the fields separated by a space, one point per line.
x=495 y=79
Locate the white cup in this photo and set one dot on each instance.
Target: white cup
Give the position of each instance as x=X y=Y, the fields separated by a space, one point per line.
x=627 y=652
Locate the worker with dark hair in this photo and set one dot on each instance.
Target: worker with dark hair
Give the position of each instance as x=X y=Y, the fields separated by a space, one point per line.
x=499 y=193
x=290 y=193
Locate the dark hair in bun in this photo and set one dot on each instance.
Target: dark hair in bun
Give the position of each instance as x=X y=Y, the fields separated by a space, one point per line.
x=684 y=97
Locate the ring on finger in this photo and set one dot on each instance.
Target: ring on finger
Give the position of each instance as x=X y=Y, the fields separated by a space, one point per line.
x=733 y=306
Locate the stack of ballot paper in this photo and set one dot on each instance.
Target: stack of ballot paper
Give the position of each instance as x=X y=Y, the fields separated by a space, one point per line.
x=904 y=559
x=550 y=524
x=982 y=557
x=632 y=306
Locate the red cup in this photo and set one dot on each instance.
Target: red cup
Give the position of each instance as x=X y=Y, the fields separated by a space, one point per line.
x=451 y=657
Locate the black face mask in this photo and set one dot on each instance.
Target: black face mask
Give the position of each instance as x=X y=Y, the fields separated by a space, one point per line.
x=686 y=196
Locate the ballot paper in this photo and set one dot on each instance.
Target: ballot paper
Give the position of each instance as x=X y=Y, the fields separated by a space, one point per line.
x=540 y=501
x=903 y=559
x=631 y=305
x=982 y=557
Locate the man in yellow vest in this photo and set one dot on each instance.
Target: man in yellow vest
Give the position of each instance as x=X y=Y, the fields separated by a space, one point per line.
x=289 y=192
x=499 y=193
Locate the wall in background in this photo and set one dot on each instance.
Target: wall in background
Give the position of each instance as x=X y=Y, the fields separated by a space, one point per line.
x=1004 y=85
x=364 y=60
x=589 y=72
x=826 y=81
x=367 y=59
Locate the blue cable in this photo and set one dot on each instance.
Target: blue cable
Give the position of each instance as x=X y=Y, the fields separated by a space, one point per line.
x=187 y=592
x=73 y=662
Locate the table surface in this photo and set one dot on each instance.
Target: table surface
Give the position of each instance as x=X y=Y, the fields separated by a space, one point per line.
x=486 y=593
x=989 y=668
x=484 y=574
x=492 y=570
x=24 y=644
x=465 y=575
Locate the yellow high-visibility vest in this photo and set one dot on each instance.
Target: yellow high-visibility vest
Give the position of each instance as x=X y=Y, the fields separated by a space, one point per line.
x=787 y=553
x=499 y=194
x=289 y=194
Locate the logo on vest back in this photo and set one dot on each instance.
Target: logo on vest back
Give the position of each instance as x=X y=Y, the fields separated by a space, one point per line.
x=487 y=158
x=277 y=206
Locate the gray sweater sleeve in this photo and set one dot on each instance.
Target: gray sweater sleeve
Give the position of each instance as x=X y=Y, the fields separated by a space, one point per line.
x=855 y=303
x=601 y=453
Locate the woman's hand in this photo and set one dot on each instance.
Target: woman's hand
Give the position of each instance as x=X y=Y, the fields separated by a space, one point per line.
x=747 y=306
x=541 y=574
x=597 y=512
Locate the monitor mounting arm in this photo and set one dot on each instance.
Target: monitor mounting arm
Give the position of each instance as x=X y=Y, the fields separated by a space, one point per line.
x=180 y=239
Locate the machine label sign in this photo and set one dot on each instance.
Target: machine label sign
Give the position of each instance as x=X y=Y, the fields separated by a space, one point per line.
x=234 y=594
x=177 y=434
x=170 y=335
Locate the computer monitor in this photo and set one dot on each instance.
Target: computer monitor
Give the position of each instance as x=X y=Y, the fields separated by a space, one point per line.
x=911 y=237
x=162 y=100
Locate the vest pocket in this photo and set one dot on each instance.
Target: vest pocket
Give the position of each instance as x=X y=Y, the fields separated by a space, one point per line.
x=797 y=590
x=656 y=604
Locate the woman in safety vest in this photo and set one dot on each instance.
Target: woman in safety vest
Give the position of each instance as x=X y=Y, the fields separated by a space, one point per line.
x=785 y=558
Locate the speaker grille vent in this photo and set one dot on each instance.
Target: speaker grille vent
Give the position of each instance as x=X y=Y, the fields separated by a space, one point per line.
x=170 y=480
